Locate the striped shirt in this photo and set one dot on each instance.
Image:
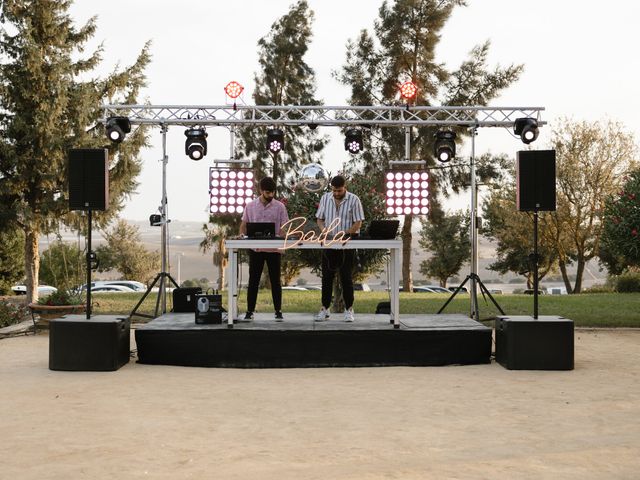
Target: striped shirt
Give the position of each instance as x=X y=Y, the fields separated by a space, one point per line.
x=349 y=211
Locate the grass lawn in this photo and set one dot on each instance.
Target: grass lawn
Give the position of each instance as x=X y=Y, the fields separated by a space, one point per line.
x=586 y=310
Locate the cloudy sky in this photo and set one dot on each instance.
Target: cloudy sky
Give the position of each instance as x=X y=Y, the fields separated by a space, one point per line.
x=580 y=62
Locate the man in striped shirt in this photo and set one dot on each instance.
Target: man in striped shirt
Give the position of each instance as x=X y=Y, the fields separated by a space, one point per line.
x=265 y=209
x=345 y=206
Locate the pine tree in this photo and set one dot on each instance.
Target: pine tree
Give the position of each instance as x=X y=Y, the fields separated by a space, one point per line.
x=403 y=49
x=284 y=79
x=47 y=107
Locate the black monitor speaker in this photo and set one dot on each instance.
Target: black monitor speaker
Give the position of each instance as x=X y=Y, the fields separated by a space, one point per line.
x=88 y=179
x=536 y=180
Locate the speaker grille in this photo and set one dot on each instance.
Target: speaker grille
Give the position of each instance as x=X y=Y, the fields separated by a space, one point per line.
x=536 y=180
x=88 y=179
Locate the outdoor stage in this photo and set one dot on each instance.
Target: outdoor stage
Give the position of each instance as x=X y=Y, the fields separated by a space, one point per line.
x=421 y=340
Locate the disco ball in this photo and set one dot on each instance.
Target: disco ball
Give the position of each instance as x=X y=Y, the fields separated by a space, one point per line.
x=313 y=178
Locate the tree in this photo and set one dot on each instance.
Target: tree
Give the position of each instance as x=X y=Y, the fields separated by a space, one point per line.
x=63 y=265
x=407 y=33
x=284 y=79
x=11 y=258
x=592 y=161
x=125 y=252
x=447 y=237
x=620 y=246
x=47 y=109
x=513 y=232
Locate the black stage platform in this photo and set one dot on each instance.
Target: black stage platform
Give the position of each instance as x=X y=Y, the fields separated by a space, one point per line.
x=421 y=340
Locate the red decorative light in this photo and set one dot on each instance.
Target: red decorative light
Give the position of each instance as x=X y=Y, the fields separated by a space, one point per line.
x=230 y=190
x=233 y=89
x=408 y=90
x=407 y=192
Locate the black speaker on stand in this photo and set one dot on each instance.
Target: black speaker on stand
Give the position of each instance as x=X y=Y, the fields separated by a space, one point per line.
x=526 y=343
x=88 y=170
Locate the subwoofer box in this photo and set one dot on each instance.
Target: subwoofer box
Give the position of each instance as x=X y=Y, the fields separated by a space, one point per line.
x=100 y=343
x=525 y=343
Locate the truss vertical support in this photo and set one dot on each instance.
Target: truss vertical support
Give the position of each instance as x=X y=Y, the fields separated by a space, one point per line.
x=232 y=141
x=164 y=231
x=407 y=143
x=475 y=314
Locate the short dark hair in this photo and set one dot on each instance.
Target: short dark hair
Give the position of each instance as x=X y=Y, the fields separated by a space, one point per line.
x=338 y=181
x=267 y=184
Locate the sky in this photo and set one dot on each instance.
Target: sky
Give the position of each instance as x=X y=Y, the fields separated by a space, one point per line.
x=579 y=58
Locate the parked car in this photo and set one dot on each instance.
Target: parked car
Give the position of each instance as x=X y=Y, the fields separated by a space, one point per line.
x=313 y=287
x=435 y=288
x=529 y=291
x=291 y=287
x=422 y=289
x=463 y=289
x=363 y=287
x=110 y=289
x=43 y=290
x=129 y=285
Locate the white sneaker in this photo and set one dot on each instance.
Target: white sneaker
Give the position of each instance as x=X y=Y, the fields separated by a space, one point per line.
x=348 y=315
x=322 y=315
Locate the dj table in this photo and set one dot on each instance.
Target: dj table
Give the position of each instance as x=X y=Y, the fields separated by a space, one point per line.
x=394 y=246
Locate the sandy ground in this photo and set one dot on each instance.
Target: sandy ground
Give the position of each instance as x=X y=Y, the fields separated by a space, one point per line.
x=471 y=422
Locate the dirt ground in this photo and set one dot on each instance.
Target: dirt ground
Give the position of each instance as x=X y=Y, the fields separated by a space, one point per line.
x=471 y=422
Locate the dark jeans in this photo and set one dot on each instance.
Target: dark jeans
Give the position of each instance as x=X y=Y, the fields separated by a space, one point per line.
x=337 y=261
x=256 y=264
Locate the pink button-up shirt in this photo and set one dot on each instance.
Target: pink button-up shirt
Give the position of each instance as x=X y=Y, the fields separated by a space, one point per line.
x=273 y=212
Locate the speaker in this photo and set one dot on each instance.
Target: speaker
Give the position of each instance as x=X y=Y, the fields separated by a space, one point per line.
x=536 y=180
x=525 y=343
x=100 y=343
x=88 y=179
x=184 y=299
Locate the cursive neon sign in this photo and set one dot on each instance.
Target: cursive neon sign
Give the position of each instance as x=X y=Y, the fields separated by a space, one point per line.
x=295 y=234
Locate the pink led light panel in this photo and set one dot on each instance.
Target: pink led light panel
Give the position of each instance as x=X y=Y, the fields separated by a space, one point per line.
x=407 y=192
x=229 y=190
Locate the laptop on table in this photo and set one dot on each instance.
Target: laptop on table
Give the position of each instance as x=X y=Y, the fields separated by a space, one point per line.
x=261 y=230
x=381 y=230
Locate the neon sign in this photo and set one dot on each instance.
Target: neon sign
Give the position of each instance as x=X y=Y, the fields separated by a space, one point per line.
x=295 y=231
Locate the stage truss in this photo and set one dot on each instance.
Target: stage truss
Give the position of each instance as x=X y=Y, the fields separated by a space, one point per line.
x=386 y=116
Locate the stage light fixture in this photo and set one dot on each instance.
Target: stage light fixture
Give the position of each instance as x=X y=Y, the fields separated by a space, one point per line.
x=353 y=141
x=408 y=90
x=233 y=89
x=406 y=192
x=445 y=147
x=230 y=190
x=196 y=143
x=275 y=140
x=527 y=128
x=117 y=128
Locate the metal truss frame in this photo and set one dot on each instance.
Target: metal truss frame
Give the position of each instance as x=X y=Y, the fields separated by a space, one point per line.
x=384 y=116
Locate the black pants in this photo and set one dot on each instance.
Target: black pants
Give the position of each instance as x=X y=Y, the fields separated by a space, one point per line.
x=337 y=261
x=256 y=264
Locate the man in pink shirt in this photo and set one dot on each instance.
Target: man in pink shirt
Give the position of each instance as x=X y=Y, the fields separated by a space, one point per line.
x=265 y=209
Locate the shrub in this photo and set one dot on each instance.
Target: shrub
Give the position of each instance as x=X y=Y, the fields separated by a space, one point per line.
x=599 y=288
x=10 y=314
x=62 y=297
x=628 y=282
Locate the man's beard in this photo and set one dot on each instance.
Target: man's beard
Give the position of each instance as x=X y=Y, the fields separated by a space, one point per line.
x=267 y=199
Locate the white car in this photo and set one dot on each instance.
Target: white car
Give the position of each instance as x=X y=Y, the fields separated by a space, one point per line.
x=299 y=289
x=110 y=289
x=43 y=290
x=436 y=288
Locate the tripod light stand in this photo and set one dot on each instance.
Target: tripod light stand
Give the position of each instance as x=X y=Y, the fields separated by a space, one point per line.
x=473 y=275
x=163 y=277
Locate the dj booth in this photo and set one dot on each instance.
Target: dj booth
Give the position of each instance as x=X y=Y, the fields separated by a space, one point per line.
x=394 y=246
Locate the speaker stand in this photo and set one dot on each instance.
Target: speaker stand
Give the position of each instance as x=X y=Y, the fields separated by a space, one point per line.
x=162 y=278
x=475 y=279
x=535 y=264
